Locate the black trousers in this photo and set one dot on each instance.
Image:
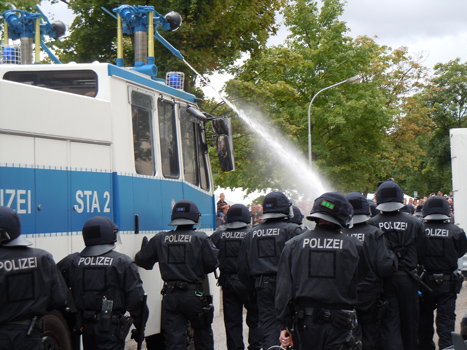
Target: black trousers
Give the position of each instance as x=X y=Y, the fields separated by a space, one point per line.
x=443 y=300
x=368 y=327
x=268 y=325
x=399 y=326
x=95 y=339
x=234 y=299
x=180 y=306
x=15 y=337
x=316 y=335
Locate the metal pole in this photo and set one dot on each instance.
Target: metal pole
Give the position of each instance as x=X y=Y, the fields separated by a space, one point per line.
x=350 y=80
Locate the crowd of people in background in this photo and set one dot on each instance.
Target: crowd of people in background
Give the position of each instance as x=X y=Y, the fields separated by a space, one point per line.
x=410 y=206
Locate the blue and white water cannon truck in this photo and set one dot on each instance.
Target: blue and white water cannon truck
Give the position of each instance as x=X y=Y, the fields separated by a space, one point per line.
x=79 y=140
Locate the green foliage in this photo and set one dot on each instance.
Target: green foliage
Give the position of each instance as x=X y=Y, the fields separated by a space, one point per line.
x=213 y=34
x=358 y=131
x=444 y=102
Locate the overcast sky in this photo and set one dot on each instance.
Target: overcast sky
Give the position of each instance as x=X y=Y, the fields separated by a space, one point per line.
x=433 y=27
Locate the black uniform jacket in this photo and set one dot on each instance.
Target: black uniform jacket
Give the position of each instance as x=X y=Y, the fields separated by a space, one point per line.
x=30 y=284
x=228 y=241
x=112 y=275
x=383 y=262
x=446 y=243
x=320 y=266
x=183 y=255
x=402 y=232
x=262 y=247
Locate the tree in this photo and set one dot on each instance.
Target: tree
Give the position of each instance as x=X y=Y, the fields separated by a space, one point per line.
x=355 y=127
x=445 y=103
x=213 y=35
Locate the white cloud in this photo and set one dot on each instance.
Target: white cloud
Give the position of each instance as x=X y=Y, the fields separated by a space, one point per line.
x=437 y=28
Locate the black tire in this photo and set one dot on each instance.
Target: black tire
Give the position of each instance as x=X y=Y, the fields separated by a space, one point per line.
x=56 y=335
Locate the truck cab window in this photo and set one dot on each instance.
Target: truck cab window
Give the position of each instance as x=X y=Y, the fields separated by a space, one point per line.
x=194 y=158
x=168 y=140
x=141 y=113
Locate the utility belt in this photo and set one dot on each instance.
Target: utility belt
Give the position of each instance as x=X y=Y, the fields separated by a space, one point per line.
x=340 y=318
x=171 y=286
x=33 y=323
x=105 y=320
x=261 y=280
x=226 y=278
x=231 y=276
x=96 y=316
x=456 y=279
x=439 y=277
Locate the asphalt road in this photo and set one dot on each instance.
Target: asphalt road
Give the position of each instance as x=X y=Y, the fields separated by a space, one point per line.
x=219 y=329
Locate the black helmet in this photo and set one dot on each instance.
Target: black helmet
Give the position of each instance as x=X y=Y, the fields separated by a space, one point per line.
x=436 y=208
x=276 y=205
x=389 y=197
x=361 y=207
x=405 y=209
x=238 y=216
x=297 y=215
x=100 y=236
x=332 y=207
x=418 y=210
x=10 y=229
x=184 y=213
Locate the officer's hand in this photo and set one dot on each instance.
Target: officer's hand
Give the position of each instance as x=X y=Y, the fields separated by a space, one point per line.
x=144 y=242
x=135 y=334
x=285 y=339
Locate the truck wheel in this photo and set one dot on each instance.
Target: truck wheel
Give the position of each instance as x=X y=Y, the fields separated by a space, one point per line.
x=56 y=335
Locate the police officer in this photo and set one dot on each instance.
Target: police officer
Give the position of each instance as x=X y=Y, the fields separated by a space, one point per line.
x=405 y=237
x=418 y=212
x=235 y=294
x=446 y=243
x=317 y=279
x=185 y=256
x=259 y=259
x=373 y=210
x=30 y=286
x=105 y=284
x=297 y=220
x=383 y=263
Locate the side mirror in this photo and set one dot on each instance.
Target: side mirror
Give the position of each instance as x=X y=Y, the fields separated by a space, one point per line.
x=225 y=148
x=219 y=126
x=197 y=114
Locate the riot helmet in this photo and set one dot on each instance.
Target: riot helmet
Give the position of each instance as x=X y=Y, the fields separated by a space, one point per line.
x=184 y=212
x=276 y=205
x=361 y=207
x=332 y=207
x=436 y=208
x=405 y=209
x=238 y=216
x=418 y=211
x=389 y=197
x=297 y=216
x=10 y=229
x=99 y=235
